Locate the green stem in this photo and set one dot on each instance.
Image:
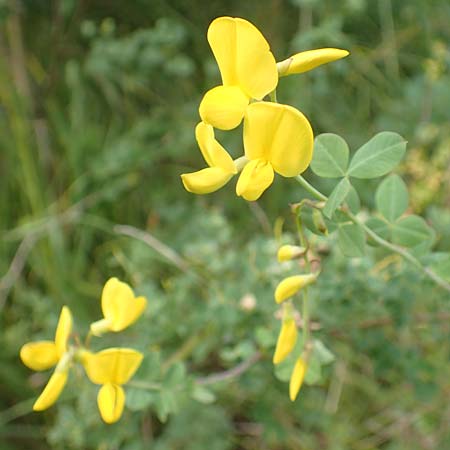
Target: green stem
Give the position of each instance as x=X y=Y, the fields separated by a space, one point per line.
x=145 y=385
x=273 y=96
x=305 y=308
x=379 y=240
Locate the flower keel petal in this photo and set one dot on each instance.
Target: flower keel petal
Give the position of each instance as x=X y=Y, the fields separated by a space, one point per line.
x=206 y=180
x=255 y=178
x=111 y=400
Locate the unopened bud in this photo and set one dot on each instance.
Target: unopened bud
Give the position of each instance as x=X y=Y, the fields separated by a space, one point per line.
x=319 y=222
x=297 y=376
x=291 y=285
x=288 y=252
x=286 y=340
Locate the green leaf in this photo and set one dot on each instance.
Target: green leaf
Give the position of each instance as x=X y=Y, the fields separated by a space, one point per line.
x=139 y=399
x=330 y=158
x=337 y=197
x=352 y=200
x=203 y=395
x=391 y=197
x=380 y=227
x=441 y=265
x=351 y=240
x=411 y=231
x=378 y=156
x=313 y=375
x=323 y=354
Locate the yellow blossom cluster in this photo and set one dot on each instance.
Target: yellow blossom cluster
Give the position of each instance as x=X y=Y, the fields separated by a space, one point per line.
x=277 y=138
x=110 y=368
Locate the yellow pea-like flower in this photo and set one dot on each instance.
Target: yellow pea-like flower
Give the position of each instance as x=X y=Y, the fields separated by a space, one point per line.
x=288 y=252
x=286 y=340
x=247 y=67
x=221 y=166
x=111 y=368
x=119 y=306
x=277 y=138
x=297 y=376
x=291 y=285
x=305 y=61
x=42 y=355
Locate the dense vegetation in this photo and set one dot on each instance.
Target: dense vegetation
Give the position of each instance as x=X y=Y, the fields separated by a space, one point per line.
x=98 y=103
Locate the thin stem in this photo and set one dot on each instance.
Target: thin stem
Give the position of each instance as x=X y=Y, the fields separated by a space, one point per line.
x=379 y=240
x=145 y=385
x=305 y=308
x=273 y=96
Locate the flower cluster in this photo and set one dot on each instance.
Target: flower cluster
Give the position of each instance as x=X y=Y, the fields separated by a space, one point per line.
x=287 y=337
x=110 y=368
x=276 y=137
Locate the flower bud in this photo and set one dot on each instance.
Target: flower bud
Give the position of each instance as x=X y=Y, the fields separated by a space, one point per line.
x=288 y=252
x=286 y=340
x=297 y=376
x=291 y=285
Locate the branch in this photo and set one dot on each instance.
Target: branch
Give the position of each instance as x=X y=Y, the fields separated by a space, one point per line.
x=386 y=244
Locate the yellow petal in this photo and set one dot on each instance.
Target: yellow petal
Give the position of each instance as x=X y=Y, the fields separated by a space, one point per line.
x=215 y=155
x=288 y=252
x=297 y=378
x=113 y=365
x=280 y=134
x=110 y=401
x=291 y=285
x=206 y=180
x=39 y=355
x=286 y=340
x=63 y=330
x=304 y=61
x=51 y=391
x=255 y=178
x=243 y=56
x=223 y=107
x=119 y=305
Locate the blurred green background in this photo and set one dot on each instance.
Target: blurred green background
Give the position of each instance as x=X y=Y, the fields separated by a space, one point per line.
x=98 y=103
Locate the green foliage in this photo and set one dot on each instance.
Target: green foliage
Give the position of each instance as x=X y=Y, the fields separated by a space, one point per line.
x=97 y=121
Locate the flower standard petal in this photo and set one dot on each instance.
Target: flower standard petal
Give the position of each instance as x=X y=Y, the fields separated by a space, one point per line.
x=305 y=61
x=256 y=67
x=280 y=134
x=110 y=401
x=255 y=178
x=215 y=155
x=223 y=107
x=52 y=390
x=291 y=285
x=39 y=355
x=243 y=56
x=119 y=306
x=63 y=330
x=297 y=376
x=206 y=180
x=286 y=340
x=113 y=365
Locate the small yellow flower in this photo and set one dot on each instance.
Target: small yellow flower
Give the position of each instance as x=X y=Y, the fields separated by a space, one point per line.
x=42 y=355
x=305 y=61
x=119 y=306
x=221 y=166
x=247 y=67
x=286 y=340
x=111 y=368
x=291 y=285
x=297 y=376
x=277 y=138
x=288 y=252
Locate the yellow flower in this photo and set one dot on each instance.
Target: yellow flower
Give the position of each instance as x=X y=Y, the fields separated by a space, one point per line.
x=297 y=376
x=291 y=285
x=42 y=355
x=119 y=306
x=221 y=166
x=277 y=138
x=304 y=61
x=111 y=368
x=288 y=252
x=286 y=340
x=247 y=67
